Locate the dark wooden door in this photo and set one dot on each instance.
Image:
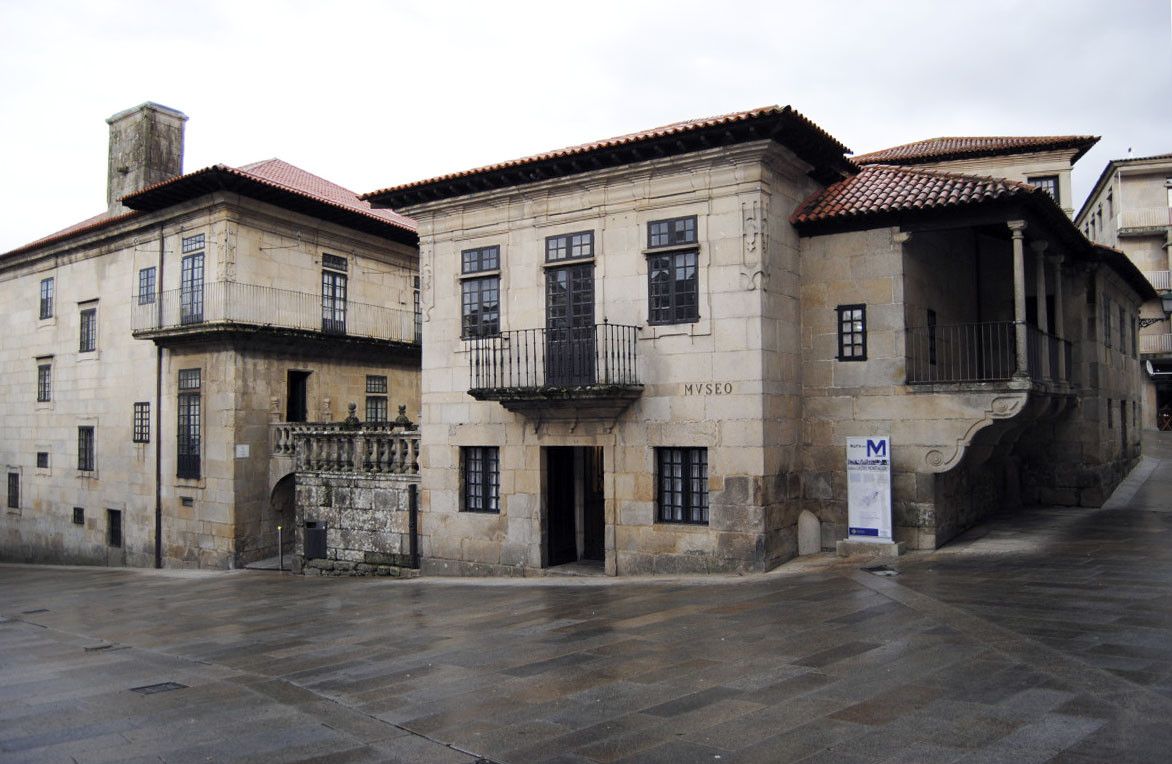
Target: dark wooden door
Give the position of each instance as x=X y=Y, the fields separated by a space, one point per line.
x=559 y=480
x=569 y=325
x=593 y=519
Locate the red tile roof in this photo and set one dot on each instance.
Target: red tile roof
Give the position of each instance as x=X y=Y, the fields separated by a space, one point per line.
x=964 y=147
x=884 y=189
x=89 y=224
x=806 y=136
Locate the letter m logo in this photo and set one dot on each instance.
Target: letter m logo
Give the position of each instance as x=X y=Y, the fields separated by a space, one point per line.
x=876 y=448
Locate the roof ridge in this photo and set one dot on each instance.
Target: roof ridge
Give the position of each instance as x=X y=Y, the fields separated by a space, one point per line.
x=949 y=174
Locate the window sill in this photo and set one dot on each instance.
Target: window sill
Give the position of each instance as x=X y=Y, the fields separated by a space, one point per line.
x=701 y=327
x=88 y=355
x=480 y=274
x=694 y=246
x=86 y=474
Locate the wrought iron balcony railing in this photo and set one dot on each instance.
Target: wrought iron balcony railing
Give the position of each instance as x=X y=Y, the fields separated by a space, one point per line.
x=228 y=303
x=1155 y=344
x=602 y=355
x=983 y=352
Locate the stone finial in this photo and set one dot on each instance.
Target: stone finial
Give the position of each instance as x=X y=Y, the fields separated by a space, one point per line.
x=402 y=421
x=351 y=421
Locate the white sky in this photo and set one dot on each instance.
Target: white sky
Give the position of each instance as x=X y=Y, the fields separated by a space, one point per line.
x=370 y=94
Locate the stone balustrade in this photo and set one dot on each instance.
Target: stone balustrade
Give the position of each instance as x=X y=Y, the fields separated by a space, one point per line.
x=375 y=449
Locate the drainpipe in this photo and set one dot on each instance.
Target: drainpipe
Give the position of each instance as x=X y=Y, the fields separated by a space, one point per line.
x=159 y=415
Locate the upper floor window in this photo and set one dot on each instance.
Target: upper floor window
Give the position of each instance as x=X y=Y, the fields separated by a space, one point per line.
x=1110 y=203
x=46 y=298
x=1048 y=183
x=193 y=243
x=569 y=246
x=480 y=299
x=88 y=341
x=146 y=285
x=852 y=332
x=417 y=306
x=376 y=398
x=664 y=233
x=673 y=288
x=333 y=302
x=480 y=259
x=85 y=448
x=44 y=382
x=1122 y=330
x=142 y=422
x=1106 y=320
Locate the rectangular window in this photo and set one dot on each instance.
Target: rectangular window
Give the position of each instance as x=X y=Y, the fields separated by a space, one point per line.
x=665 y=233
x=14 y=490
x=1110 y=204
x=569 y=247
x=480 y=259
x=931 y=337
x=481 y=478
x=88 y=341
x=42 y=460
x=416 y=304
x=146 y=285
x=114 y=527
x=333 y=302
x=191 y=288
x=142 y=422
x=1110 y=415
x=376 y=409
x=673 y=288
x=1048 y=183
x=1106 y=320
x=481 y=306
x=188 y=433
x=85 y=448
x=78 y=516
x=852 y=332
x=682 y=475
x=44 y=382
x=193 y=243
x=46 y=298
x=1122 y=330
x=334 y=262
x=376 y=383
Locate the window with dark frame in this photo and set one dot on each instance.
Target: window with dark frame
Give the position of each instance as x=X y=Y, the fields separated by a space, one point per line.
x=673 y=288
x=1048 y=183
x=88 y=340
x=480 y=259
x=14 y=490
x=480 y=301
x=417 y=305
x=671 y=232
x=1110 y=415
x=146 y=285
x=46 y=310
x=1122 y=330
x=333 y=262
x=569 y=246
x=1106 y=321
x=189 y=429
x=114 y=527
x=85 y=448
x=333 y=302
x=852 y=332
x=44 y=382
x=79 y=516
x=142 y=422
x=192 y=243
x=931 y=337
x=682 y=477
x=42 y=460
x=376 y=398
x=481 y=478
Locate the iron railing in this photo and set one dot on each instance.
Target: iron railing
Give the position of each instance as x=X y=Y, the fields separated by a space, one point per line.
x=1153 y=344
x=981 y=352
x=1161 y=280
x=229 y=302
x=603 y=354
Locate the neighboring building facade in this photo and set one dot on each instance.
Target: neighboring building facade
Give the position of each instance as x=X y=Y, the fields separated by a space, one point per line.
x=647 y=352
x=149 y=351
x=1130 y=209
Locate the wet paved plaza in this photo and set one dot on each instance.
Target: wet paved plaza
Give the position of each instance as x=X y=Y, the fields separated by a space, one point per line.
x=1043 y=636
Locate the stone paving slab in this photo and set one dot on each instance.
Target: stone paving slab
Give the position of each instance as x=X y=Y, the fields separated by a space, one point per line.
x=1042 y=636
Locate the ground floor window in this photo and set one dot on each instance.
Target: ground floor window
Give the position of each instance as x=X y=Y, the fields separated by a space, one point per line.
x=114 y=527
x=682 y=476
x=481 y=469
x=14 y=490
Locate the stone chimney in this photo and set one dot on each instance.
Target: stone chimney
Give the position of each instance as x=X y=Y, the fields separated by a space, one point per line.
x=146 y=147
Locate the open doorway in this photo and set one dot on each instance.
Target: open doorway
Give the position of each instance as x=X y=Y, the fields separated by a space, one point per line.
x=574 y=503
x=297 y=397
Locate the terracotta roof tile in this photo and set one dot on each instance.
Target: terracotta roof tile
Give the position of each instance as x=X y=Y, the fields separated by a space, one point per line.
x=880 y=189
x=962 y=147
x=675 y=128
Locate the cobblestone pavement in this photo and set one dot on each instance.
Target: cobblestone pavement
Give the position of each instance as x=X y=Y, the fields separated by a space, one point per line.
x=1042 y=636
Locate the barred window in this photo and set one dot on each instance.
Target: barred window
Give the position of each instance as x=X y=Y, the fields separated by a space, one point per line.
x=79 y=516
x=44 y=382
x=852 y=332
x=682 y=475
x=376 y=383
x=481 y=478
x=481 y=307
x=188 y=433
x=146 y=285
x=665 y=233
x=88 y=341
x=673 y=288
x=114 y=527
x=85 y=448
x=42 y=460
x=480 y=259
x=46 y=298
x=569 y=246
x=14 y=490
x=142 y=422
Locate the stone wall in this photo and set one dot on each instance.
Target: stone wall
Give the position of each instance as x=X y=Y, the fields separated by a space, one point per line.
x=367 y=519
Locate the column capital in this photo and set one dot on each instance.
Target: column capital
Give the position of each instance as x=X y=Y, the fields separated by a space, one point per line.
x=1016 y=227
x=901 y=237
x=1039 y=245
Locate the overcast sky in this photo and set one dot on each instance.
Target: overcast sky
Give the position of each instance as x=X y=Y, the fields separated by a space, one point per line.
x=370 y=94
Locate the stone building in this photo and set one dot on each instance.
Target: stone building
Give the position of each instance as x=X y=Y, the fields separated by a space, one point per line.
x=154 y=352
x=645 y=353
x=1130 y=209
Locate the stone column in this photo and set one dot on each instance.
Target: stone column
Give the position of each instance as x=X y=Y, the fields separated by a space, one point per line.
x=1039 y=248
x=1017 y=229
x=1059 y=318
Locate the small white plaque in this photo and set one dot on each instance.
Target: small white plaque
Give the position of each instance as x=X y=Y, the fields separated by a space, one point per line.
x=242 y=450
